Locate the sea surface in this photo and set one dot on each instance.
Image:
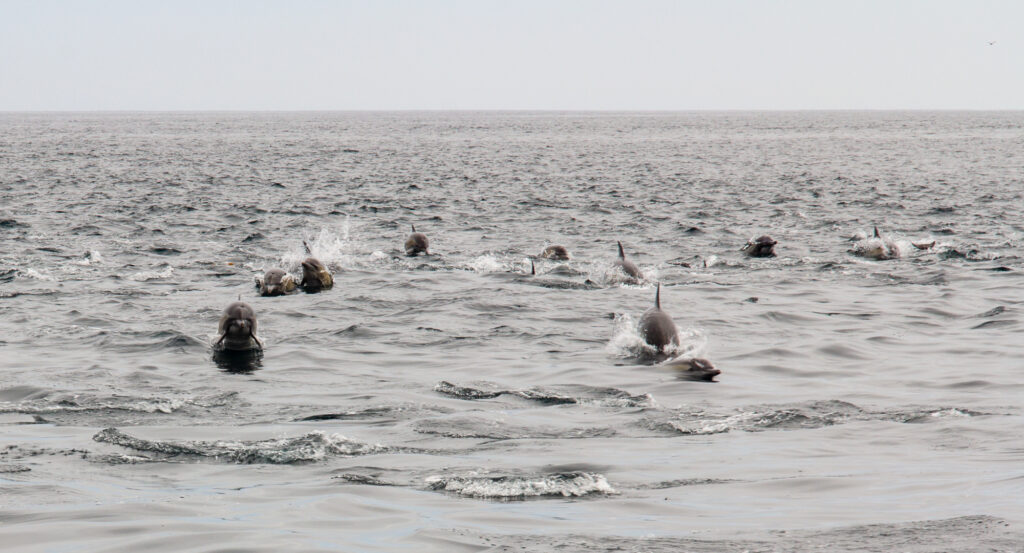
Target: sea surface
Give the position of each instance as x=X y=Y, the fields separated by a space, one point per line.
x=457 y=402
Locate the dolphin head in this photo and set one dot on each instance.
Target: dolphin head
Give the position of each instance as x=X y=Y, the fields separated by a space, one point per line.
x=238 y=327
x=762 y=246
x=311 y=268
x=694 y=369
x=273 y=283
x=315 y=276
x=416 y=242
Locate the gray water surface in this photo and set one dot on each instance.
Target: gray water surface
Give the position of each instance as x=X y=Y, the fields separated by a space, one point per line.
x=454 y=402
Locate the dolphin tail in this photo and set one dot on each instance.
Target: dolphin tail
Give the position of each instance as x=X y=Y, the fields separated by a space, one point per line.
x=622 y=255
x=657 y=297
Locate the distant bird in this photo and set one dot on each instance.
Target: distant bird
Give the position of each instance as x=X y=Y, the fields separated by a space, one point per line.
x=991 y=43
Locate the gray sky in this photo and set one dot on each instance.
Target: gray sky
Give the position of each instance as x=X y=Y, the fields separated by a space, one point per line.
x=512 y=54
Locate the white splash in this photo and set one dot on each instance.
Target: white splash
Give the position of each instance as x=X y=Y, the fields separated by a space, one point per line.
x=143 y=276
x=332 y=246
x=952 y=412
x=89 y=258
x=576 y=484
x=720 y=425
x=32 y=273
x=626 y=341
x=486 y=263
x=610 y=273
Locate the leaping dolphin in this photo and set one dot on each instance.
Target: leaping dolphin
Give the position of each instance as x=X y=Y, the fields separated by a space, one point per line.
x=627 y=266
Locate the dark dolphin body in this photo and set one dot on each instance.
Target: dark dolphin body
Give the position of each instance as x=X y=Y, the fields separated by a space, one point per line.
x=627 y=266
x=238 y=328
x=657 y=328
x=275 y=282
x=763 y=246
x=315 y=276
x=558 y=253
x=416 y=243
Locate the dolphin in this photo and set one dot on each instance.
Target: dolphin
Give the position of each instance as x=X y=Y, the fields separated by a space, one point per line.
x=762 y=246
x=558 y=253
x=416 y=242
x=238 y=328
x=879 y=247
x=657 y=328
x=275 y=282
x=693 y=368
x=627 y=266
x=315 y=276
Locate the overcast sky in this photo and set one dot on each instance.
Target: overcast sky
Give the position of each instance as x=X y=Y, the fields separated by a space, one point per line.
x=512 y=54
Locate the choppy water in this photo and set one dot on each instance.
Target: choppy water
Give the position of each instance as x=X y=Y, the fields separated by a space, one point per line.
x=454 y=402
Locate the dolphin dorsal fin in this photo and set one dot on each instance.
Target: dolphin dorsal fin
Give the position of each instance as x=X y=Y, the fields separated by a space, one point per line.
x=657 y=297
x=533 y=269
x=622 y=254
x=308 y=249
x=876 y=233
x=413 y=227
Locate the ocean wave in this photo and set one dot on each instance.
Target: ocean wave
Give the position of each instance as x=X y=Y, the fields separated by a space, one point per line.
x=583 y=395
x=312 y=447
x=510 y=488
x=45 y=403
x=143 y=276
x=810 y=415
x=78 y=404
x=480 y=428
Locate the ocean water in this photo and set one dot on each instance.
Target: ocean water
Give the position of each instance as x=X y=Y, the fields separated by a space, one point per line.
x=454 y=401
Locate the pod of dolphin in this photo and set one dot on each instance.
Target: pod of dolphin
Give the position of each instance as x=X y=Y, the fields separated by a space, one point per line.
x=237 y=328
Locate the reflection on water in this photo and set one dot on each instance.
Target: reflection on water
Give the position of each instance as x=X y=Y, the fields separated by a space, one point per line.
x=238 y=361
